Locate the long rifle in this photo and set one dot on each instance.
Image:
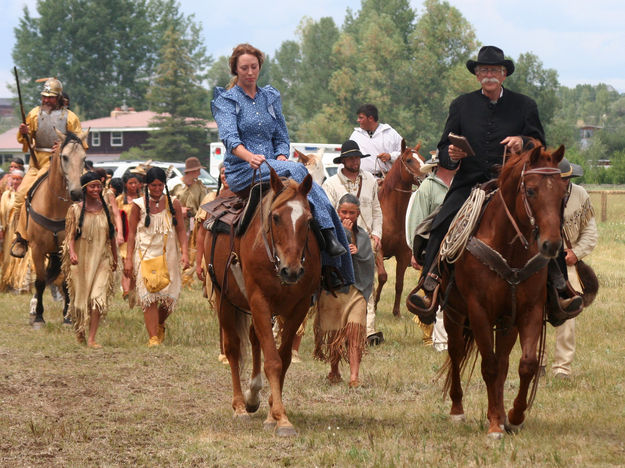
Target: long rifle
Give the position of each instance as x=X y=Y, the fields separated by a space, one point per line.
x=33 y=156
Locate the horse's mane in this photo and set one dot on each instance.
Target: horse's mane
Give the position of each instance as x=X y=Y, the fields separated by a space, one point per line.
x=70 y=136
x=392 y=176
x=290 y=187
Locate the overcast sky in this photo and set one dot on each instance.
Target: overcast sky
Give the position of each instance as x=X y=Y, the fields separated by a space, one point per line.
x=581 y=40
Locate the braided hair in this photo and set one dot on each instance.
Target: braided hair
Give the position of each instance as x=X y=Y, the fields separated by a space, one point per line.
x=85 y=179
x=156 y=173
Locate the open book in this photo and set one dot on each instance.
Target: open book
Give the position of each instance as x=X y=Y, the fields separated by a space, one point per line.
x=461 y=142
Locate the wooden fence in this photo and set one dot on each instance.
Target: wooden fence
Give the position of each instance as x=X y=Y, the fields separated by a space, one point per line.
x=604 y=201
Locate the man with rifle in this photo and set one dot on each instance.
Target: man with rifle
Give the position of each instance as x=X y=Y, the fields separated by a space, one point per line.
x=37 y=135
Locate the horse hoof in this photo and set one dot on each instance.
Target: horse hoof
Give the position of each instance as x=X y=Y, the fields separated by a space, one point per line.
x=457 y=418
x=38 y=324
x=512 y=428
x=269 y=424
x=286 y=431
x=495 y=435
x=241 y=416
x=252 y=408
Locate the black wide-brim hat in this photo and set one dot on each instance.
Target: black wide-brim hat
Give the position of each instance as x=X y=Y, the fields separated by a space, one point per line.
x=349 y=149
x=491 y=55
x=569 y=169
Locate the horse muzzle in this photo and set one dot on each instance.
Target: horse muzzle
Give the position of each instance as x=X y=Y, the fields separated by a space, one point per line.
x=76 y=195
x=290 y=275
x=550 y=248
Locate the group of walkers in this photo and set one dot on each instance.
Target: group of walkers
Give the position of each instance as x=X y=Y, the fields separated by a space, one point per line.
x=138 y=225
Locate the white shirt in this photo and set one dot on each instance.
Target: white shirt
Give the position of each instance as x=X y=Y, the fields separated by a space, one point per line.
x=384 y=140
x=370 y=218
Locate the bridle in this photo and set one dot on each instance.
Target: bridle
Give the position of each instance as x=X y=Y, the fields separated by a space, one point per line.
x=404 y=165
x=546 y=171
x=266 y=226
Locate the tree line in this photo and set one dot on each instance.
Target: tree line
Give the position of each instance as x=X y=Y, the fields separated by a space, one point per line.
x=410 y=64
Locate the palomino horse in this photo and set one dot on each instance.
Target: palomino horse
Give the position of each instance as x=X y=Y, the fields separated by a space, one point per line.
x=314 y=165
x=273 y=269
x=47 y=208
x=498 y=289
x=394 y=196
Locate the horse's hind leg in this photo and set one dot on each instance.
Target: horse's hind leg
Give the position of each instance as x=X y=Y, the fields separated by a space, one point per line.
x=232 y=323
x=252 y=394
x=66 y=318
x=456 y=349
x=403 y=260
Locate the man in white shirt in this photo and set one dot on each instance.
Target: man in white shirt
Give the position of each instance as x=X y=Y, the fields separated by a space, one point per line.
x=379 y=140
x=352 y=179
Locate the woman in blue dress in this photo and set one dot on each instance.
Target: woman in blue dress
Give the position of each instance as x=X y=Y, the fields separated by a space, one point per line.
x=253 y=130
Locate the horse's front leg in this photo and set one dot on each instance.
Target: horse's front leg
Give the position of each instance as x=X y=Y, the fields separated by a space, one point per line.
x=289 y=330
x=529 y=334
x=261 y=319
x=40 y=286
x=382 y=275
x=490 y=368
x=504 y=343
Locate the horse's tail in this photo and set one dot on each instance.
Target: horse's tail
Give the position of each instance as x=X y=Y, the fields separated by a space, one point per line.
x=470 y=354
x=54 y=267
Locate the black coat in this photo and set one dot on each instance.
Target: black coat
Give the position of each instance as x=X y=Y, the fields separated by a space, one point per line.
x=484 y=124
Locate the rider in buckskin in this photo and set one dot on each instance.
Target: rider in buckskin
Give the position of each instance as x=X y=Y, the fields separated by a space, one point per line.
x=492 y=119
x=40 y=126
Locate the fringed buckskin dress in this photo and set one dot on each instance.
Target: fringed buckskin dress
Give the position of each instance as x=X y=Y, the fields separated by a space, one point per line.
x=149 y=244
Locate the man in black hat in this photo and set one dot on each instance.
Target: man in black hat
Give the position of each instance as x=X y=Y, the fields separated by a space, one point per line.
x=493 y=119
x=362 y=184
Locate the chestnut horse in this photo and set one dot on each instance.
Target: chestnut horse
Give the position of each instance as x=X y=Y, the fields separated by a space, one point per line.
x=274 y=269
x=394 y=195
x=499 y=287
x=47 y=208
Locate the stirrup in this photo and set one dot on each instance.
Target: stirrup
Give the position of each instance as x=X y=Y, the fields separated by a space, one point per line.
x=417 y=306
x=19 y=247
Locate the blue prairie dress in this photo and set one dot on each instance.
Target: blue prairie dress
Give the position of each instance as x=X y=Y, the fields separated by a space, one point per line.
x=258 y=125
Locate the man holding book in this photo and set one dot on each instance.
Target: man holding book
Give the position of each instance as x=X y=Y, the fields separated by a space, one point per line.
x=492 y=119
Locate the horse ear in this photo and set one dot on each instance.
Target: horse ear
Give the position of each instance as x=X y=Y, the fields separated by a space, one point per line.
x=403 y=145
x=59 y=133
x=306 y=185
x=302 y=157
x=535 y=154
x=276 y=184
x=558 y=154
x=83 y=135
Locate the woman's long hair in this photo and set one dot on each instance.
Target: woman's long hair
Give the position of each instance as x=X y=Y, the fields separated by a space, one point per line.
x=156 y=173
x=239 y=50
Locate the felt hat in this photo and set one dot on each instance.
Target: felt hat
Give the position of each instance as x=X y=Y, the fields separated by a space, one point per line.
x=192 y=164
x=429 y=165
x=349 y=149
x=491 y=55
x=569 y=169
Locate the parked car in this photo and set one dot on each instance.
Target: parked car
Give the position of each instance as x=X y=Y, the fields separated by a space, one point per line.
x=175 y=171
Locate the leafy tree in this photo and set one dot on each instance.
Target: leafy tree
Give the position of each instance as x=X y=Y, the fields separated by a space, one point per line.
x=181 y=100
x=531 y=79
x=104 y=51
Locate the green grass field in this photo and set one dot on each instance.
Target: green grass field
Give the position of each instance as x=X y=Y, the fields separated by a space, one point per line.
x=64 y=405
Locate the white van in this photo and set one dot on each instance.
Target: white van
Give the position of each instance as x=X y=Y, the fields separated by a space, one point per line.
x=331 y=151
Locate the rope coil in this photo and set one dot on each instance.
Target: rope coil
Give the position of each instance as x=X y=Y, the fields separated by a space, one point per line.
x=462 y=226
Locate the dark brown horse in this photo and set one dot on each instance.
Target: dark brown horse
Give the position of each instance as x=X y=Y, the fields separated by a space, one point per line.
x=394 y=195
x=498 y=290
x=274 y=269
x=46 y=213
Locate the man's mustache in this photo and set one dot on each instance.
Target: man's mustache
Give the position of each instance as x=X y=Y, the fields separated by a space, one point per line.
x=489 y=80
